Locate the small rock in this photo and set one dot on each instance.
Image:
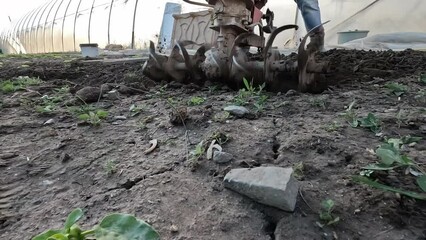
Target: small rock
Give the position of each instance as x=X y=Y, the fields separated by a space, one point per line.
x=272 y=186
x=237 y=110
x=88 y=94
x=222 y=157
x=106 y=88
x=47 y=182
x=178 y=116
x=174 y=229
x=49 y=122
x=120 y=118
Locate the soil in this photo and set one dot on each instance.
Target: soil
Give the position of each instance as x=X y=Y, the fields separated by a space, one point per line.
x=50 y=168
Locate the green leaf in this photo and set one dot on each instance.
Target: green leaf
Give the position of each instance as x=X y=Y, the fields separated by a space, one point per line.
x=423 y=78
x=421 y=181
x=123 y=227
x=371 y=183
x=58 y=236
x=246 y=84
x=379 y=167
x=72 y=218
x=410 y=139
x=328 y=204
x=84 y=117
x=388 y=157
x=45 y=235
x=102 y=114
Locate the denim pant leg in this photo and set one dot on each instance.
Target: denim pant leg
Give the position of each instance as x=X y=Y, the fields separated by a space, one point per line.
x=310 y=12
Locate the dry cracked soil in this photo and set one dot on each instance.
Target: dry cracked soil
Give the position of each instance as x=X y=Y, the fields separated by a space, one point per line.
x=52 y=162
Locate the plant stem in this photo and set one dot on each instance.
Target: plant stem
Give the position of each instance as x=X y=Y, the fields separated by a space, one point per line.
x=88 y=232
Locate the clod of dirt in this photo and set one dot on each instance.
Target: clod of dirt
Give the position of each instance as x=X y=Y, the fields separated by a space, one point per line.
x=65 y=157
x=89 y=94
x=178 y=116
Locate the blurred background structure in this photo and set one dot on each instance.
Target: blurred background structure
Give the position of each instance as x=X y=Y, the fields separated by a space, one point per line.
x=41 y=26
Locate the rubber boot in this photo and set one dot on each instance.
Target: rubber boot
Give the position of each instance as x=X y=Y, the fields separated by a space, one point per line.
x=317 y=41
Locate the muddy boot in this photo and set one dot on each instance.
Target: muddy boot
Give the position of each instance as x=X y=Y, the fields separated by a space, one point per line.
x=317 y=41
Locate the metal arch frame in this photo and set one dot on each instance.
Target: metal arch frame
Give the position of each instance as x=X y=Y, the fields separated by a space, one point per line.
x=32 y=25
x=63 y=24
x=53 y=24
x=45 y=23
x=109 y=20
x=33 y=15
x=90 y=20
x=75 y=21
x=23 y=27
x=133 y=26
x=38 y=24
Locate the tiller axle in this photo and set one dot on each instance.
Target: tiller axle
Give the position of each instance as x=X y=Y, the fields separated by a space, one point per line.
x=229 y=59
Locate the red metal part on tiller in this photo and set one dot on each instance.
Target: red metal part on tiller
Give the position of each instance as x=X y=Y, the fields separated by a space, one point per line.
x=257 y=15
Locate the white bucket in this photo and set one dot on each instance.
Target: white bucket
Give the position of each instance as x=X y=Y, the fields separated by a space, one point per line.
x=89 y=50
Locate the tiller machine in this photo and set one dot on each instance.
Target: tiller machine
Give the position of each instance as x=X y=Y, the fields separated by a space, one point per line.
x=229 y=60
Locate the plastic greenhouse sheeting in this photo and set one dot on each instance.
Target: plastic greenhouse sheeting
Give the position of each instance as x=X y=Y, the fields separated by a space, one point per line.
x=61 y=25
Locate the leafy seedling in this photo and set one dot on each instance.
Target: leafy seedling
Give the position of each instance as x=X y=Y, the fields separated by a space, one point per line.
x=250 y=95
x=113 y=226
x=135 y=110
x=195 y=101
x=110 y=167
x=94 y=118
x=351 y=116
x=397 y=89
x=196 y=154
x=391 y=158
x=422 y=78
x=371 y=122
x=326 y=214
x=19 y=83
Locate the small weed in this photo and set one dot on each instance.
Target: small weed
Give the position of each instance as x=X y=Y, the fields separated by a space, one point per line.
x=63 y=90
x=195 y=101
x=221 y=116
x=422 y=78
x=135 y=110
x=371 y=122
x=351 y=115
x=213 y=89
x=251 y=95
x=110 y=167
x=83 y=109
x=94 y=118
x=421 y=96
x=391 y=158
x=220 y=137
x=19 y=83
x=298 y=171
x=196 y=154
x=333 y=127
x=326 y=214
x=397 y=89
x=120 y=226
x=48 y=104
x=319 y=102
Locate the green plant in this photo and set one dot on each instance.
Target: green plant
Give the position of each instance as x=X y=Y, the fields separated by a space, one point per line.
x=194 y=101
x=18 y=83
x=320 y=102
x=397 y=89
x=48 y=104
x=422 y=78
x=333 y=127
x=326 y=214
x=135 y=110
x=196 y=154
x=391 y=158
x=371 y=122
x=250 y=95
x=351 y=116
x=94 y=118
x=421 y=96
x=110 y=167
x=113 y=226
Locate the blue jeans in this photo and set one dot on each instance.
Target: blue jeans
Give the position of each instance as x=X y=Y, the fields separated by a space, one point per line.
x=310 y=12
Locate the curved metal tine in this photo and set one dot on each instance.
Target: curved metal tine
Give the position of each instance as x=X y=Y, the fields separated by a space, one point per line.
x=153 y=54
x=274 y=35
x=186 y=58
x=199 y=4
x=237 y=41
x=303 y=42
x=239 y=65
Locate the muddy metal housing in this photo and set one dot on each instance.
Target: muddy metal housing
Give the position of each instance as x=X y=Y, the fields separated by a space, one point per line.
x=229 y=58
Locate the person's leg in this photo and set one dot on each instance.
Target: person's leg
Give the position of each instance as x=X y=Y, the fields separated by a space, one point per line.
x=312 y=17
